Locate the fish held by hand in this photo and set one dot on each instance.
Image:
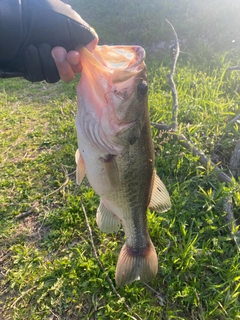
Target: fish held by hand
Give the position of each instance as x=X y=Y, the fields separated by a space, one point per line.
x=115 y=151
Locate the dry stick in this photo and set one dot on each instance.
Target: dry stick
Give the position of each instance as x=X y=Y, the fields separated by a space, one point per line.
x=207 y=162
x=235 y=119
x=184 y=142
x=159 y=296
x=62 y=186
x=234 y=164
x=228 y=203
x=233 y=68
x=181 y=138
x=32 y=208
x=229 y=219
x=22 y=296
x=101 y=266
x=204 y=160
x=28 y=212
x=172 y=83
x=5 y=257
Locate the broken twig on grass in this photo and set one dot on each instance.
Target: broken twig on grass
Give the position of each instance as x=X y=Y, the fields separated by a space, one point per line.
x=172 y=83
x=22 y=296
x=159 y=296
x=101 y=265
x=230 y=221
x=235 y=119
x=33 y=207
x=233 y=68
x=207 y=162
x=234 y=164
x=204 y=160
x=28 y=212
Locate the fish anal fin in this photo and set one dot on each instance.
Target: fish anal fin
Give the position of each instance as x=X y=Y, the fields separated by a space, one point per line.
x=80 y=170
x=160 y=199
x=141 y=264
x=106 y=220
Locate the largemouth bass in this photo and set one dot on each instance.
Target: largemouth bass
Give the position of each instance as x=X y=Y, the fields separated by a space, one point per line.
x=115 y=151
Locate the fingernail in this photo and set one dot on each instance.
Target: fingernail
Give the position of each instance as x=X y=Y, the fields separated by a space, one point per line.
x=59 y=54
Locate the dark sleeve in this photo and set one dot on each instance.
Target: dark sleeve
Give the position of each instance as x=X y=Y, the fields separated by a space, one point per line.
x=11 y=29
x=29 y=29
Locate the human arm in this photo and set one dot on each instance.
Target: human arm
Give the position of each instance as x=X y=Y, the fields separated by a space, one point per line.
x=30 y=29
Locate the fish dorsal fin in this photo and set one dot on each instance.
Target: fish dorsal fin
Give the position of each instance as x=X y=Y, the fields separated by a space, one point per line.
x=80 y=170
x=106 y=220
x=160 y=200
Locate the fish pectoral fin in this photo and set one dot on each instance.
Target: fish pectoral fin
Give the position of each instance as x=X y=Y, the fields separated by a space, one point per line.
x=80 y=170
x=106 y=220
x=160 y=200
x=111 y=169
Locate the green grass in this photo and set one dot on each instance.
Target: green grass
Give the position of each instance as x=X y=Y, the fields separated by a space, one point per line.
x=47 y=266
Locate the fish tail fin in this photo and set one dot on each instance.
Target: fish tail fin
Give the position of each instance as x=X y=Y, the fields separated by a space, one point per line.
x=133 y=264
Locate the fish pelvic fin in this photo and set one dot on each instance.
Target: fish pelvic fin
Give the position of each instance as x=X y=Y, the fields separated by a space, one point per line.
x=106 y=220
x=136 y=265
x=80 y=170
x=160 y=199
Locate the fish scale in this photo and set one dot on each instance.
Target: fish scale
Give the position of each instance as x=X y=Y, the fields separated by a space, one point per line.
x=135 y=201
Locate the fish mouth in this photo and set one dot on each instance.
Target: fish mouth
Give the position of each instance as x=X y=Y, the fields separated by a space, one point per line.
x=107 y=70
x=105 y=92
x=122 y=61
x=116 y=63
x=123 y=57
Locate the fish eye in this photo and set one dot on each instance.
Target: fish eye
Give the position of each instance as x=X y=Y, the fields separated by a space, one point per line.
x=142 y=88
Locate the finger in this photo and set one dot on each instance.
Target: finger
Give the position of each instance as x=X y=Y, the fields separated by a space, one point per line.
x=73 y=57
x=92 y=45
x=59 y=55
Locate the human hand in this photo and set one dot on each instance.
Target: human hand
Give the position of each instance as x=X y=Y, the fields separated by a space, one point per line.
x=68 y=63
